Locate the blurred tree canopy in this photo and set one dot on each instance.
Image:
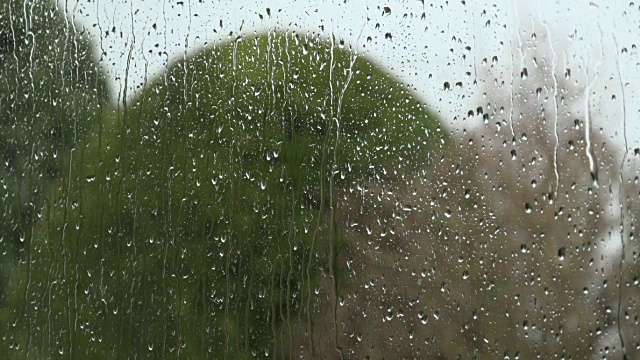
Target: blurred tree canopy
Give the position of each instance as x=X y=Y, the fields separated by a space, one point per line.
x=199 y=219
x=51 y=95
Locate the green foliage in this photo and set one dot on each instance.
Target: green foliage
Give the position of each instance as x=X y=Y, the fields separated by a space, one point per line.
x=201 y=219
x=50 y=96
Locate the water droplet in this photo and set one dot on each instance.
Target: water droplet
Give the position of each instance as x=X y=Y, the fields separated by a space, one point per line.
x=561 y=253
x=390 y=314
x=424 y=318
x=388 y=36
x=447 y=86
x=528 y=208
x=594 y=179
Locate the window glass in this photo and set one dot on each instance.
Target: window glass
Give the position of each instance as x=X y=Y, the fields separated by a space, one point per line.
x=343 y=179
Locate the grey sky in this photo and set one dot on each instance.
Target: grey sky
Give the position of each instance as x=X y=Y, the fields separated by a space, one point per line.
x=447 y=44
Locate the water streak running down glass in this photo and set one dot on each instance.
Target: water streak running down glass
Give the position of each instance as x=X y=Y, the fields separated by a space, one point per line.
x=343 y=179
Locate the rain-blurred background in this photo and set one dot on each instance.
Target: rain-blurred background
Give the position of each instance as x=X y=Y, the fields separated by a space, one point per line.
x=479 y=200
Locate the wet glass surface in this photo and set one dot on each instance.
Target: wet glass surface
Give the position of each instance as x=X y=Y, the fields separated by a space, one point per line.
x=200 y=179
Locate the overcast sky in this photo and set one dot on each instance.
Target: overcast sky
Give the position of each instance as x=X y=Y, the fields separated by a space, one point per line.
x=423 y=44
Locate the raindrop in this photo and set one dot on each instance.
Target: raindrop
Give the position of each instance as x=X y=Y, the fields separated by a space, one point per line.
x=594 y=179
x=390 y=314
x=424 y=318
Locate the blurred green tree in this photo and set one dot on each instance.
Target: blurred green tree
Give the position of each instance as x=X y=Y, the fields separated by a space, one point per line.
x=203 y=218
x=51 y=92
